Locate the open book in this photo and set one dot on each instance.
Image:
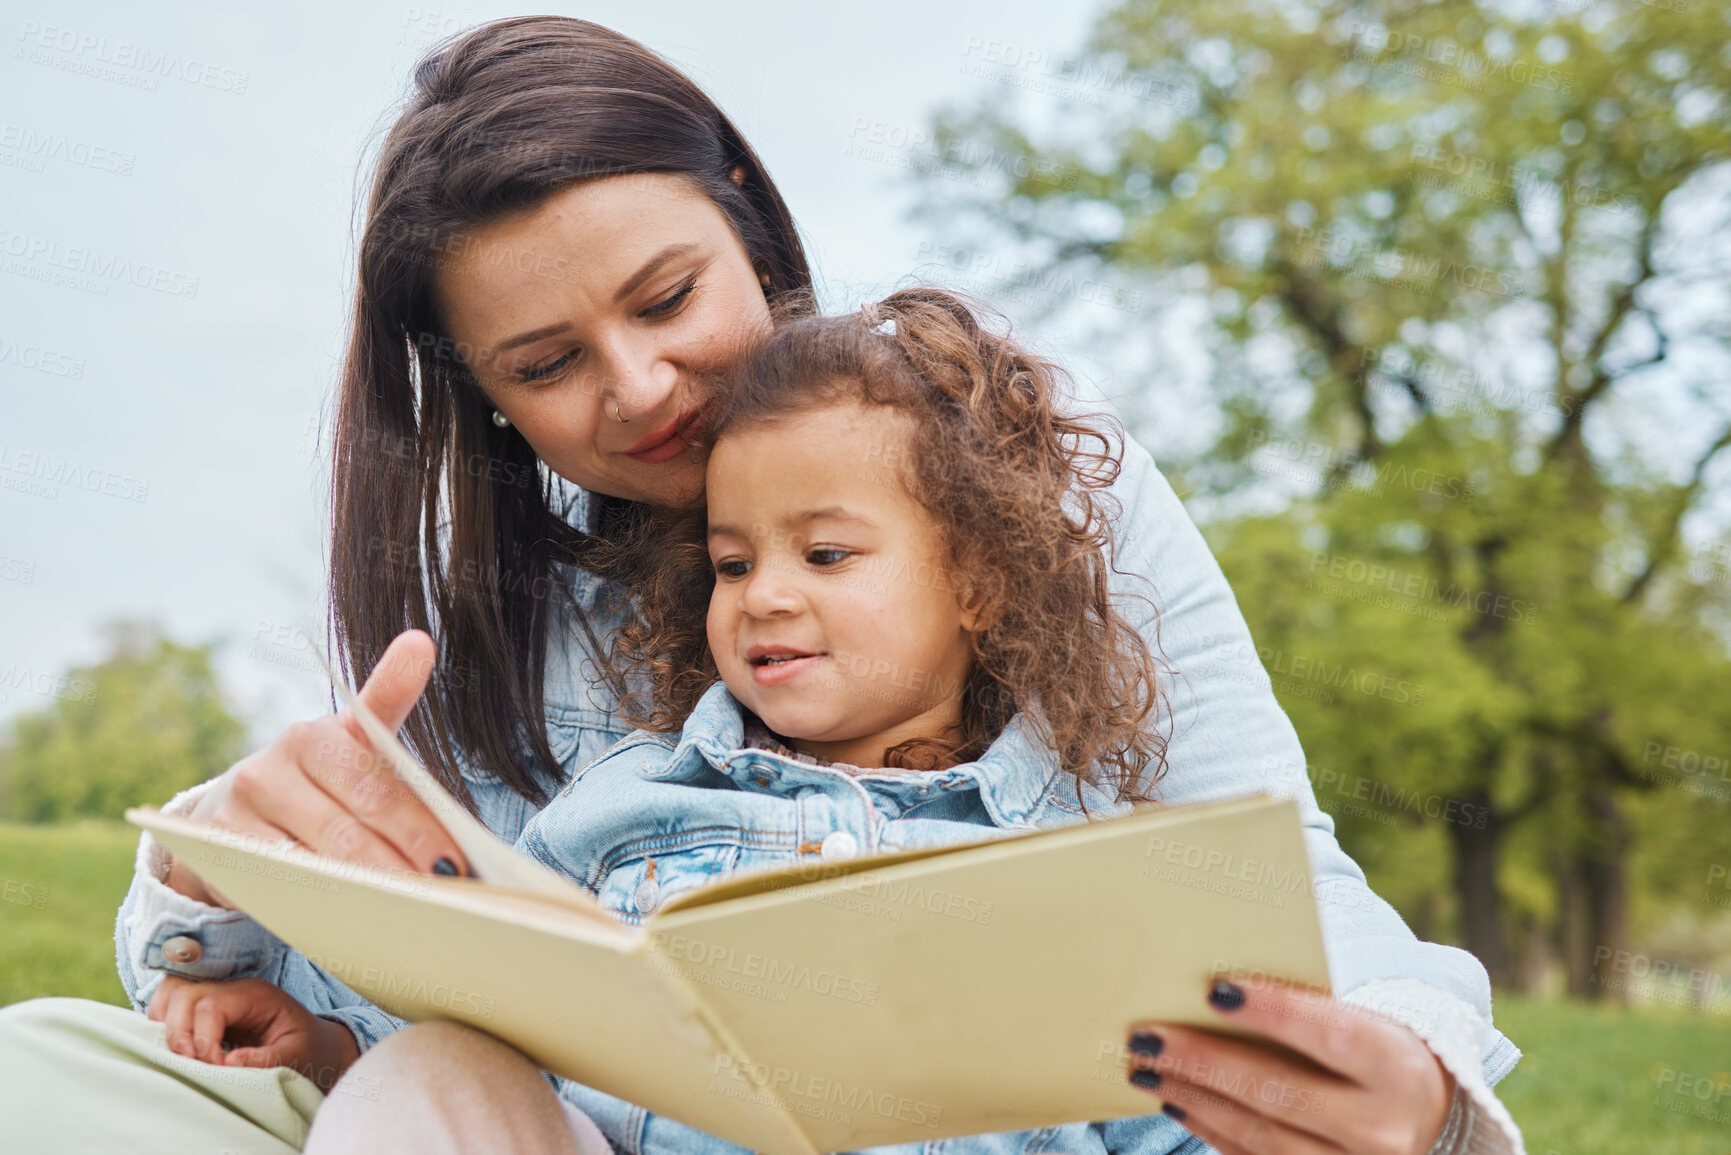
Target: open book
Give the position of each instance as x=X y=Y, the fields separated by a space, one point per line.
x=945 y=991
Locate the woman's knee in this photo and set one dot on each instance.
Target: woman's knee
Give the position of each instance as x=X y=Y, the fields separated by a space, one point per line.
x=46 y=1061
x=29 y=1019
x=26 y=1027
x=54 y=1026
x=77 y=1075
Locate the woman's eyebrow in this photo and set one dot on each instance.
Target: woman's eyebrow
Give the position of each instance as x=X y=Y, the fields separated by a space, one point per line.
x=532 y=336
x=650 y=268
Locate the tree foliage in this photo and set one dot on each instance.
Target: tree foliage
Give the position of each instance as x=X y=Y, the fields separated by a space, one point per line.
x=134 y=729
x=1463 y=275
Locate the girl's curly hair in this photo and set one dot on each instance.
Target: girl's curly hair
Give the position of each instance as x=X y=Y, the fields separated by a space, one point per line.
x=1018 y=493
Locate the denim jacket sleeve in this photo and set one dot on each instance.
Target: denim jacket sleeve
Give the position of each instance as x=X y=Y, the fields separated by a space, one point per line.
x=1230 y=737
x=159 y=931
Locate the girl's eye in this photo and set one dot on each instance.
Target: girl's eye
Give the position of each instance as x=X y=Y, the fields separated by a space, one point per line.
x=732 y=568
x=825 y=556
x=668 y=306
x=548 y=368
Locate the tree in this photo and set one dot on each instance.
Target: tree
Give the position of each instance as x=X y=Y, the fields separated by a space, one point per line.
x=1465 y=283
x=136 y=728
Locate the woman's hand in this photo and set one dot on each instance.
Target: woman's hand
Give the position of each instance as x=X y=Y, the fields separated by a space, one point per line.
x=262 y=1024
x=1371 y=1086
x=322 y=785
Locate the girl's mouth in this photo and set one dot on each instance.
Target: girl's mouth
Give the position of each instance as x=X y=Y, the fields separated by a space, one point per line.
x=773 y=666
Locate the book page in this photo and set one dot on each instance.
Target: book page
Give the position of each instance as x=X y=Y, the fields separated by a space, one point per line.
x=799 y=874
x=991 y=989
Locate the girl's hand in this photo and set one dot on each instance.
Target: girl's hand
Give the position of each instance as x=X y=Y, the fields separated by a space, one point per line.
x=263 y=1025
x=1370 y=1087
x=322 y=785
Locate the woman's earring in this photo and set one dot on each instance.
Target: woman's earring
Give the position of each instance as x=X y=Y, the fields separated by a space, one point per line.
x=500 y=419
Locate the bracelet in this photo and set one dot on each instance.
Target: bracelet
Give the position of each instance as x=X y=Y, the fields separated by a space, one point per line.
x=1457 y=1128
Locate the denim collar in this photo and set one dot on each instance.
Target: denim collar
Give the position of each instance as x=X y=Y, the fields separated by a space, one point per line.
x=1017 y=777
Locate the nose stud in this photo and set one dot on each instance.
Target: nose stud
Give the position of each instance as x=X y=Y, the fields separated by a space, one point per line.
x=622 y=418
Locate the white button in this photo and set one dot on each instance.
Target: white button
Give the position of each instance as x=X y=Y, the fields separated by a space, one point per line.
x=182 y=950
x=648 y=895
x=838 y=846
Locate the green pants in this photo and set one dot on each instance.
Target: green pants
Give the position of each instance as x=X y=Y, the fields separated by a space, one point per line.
x=83 y=1076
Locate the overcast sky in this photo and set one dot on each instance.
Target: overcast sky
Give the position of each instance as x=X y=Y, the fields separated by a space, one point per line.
x=175 y=252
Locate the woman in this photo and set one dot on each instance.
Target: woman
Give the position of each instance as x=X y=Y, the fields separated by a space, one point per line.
x=566 y=242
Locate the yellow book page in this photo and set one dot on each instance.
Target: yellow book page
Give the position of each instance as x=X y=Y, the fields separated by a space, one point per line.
x=992 y=989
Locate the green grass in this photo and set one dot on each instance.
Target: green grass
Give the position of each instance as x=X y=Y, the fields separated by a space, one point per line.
x=59 y=889
x=1595 y=1080
x=1608 y=1081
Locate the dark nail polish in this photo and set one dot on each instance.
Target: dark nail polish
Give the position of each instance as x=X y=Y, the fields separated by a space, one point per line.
x=445 y=866
x=1226 y=996
x=1174 y=1110
x=1147 y=1080
x=1147 y=1043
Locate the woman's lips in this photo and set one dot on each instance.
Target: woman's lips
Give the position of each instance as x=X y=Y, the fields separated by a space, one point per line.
x=670 y=440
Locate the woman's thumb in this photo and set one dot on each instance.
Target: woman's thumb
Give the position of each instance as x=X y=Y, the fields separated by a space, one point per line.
x=401 y=676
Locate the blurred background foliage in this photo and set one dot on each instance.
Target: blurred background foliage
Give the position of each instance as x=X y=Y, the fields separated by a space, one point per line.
x=1460 y=278
x=138 y=727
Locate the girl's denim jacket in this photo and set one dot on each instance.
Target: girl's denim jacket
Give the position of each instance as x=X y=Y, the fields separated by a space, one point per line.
x=660 y=814
x=1228 y=737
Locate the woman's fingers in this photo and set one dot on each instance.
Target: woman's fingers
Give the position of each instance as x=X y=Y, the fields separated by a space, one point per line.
x=367 y=814
x=351 y=771
x=398 y=681
x=1331 y=1034
x=1246 y=1083
x=1349 y=1081
x=322 y=784
x=1233 y=1130
x=324 y=800
x=365 y=786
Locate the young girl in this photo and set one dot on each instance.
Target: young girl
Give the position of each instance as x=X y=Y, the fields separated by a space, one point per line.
x=890 y=629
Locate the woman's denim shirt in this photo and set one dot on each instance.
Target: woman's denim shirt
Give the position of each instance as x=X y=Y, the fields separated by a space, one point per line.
x=1228 y=737
x=658 y=815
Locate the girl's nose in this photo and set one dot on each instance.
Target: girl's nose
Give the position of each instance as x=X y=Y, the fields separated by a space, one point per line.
x=768 y=592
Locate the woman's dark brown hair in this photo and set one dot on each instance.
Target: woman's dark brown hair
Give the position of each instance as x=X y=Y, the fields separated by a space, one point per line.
x=499 y=119
x=1016 y=489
